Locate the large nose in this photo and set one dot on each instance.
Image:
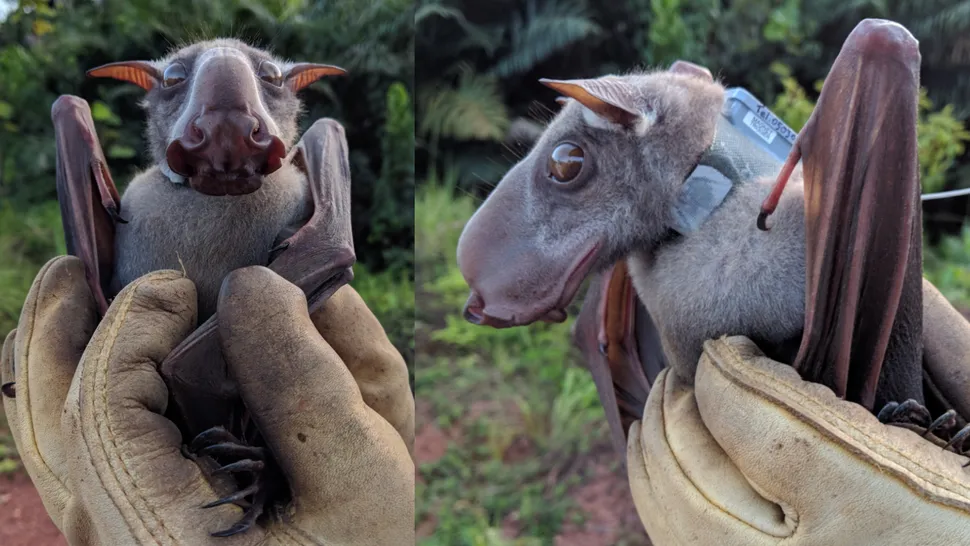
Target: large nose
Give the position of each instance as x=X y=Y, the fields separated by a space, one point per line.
x=227 y=131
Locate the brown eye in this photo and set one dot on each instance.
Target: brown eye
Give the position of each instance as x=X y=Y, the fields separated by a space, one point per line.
x=173 y=75
x=565 y=162
x=270 y=73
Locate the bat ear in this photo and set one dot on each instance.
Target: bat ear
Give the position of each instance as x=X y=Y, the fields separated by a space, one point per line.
x=691 y=69
x=608 y=97
x=141 y=73
x=303 y=74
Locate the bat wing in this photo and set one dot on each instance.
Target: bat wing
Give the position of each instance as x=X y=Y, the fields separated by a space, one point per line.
x=621 y=347
x=87 y=194
x=863 y=316
x=318 y=258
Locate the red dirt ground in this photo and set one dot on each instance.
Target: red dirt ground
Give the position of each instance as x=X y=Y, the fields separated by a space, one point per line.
x=23 y=519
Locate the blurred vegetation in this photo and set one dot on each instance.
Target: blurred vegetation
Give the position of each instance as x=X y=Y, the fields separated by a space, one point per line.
x=44 y=52
x=478 y=108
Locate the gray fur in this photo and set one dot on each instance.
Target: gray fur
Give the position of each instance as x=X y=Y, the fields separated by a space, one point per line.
x=727 y=277
x=172 y=226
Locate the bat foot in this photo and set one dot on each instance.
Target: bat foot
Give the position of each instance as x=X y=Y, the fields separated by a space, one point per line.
x=251 y=513
x=909 y=412
x=236 y=458
x=944 y=427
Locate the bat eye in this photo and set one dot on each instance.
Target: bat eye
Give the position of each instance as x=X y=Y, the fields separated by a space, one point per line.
x=271 y=73
x=173 y=75
x=565 y=162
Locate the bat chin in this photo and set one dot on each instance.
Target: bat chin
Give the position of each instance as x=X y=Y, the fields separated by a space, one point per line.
x=522 y=311
x=225 y=184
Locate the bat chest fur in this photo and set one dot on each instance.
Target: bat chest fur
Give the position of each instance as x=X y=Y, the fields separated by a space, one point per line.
x=174 y=227
x=728 y=278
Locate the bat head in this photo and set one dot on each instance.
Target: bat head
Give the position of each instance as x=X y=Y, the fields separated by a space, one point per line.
x=221 y=113
x=599 y=183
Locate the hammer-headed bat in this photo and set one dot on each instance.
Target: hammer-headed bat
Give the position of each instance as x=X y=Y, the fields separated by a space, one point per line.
x=228 y=189
x=642 y=168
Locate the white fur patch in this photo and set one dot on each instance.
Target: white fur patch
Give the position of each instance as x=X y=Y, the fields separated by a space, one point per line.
x=174 y=177
x=592 y=119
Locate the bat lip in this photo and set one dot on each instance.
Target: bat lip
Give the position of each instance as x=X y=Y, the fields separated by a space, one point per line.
x=477 y=311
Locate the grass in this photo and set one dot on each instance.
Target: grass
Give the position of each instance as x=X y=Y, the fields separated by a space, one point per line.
x=519 y=413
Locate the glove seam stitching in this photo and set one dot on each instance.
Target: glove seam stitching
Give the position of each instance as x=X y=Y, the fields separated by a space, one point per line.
x=29 y=342
x=734 y=355
x=101 y=369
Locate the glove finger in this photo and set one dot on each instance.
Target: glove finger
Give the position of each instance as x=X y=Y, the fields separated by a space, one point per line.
x=360 y=341
x=55 y=325
x=946 y=348
x=678 y=472
x=348 y=467
x=795 y=440
x=116 y=417
x=7 y=376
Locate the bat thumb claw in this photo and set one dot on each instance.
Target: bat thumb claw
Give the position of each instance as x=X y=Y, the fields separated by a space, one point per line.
x=763 y=221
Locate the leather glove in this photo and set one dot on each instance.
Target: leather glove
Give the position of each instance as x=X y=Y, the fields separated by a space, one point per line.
x=752 y=455
x=88 y=415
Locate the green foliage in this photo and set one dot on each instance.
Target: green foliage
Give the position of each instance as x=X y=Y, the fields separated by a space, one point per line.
x=941 y=137
x=947 y=266
x=44 y=53
x=28 y=238
x=499 y=391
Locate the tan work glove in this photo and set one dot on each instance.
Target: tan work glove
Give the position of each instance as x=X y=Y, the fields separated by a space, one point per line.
x=108 y=465
x=752 y=455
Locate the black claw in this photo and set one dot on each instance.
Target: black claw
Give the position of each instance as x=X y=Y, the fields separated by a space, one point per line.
x=944 y=422
x=909 y=412
x=958 y=438
x=887 y=412
x=282 y=246
x=245 y=465
x=113 y=213
x=228 y=449
x=763 y=221
x=249 y=517
x=215 y=435
x=235 y=497
x=9 y=389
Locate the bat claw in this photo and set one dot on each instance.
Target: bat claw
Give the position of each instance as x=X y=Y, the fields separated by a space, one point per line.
x=235 y=497
x=763 y=221
x=910 y=412
x=956 y=442
x=212 y=436
x=115 y=215
x=945 y=422
x=244 y=465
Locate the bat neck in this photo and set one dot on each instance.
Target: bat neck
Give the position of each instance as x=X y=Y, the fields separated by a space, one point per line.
x=731 y=159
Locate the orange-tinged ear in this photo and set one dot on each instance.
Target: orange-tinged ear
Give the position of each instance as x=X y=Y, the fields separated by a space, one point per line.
x=303 y=74
x=141 y=73
x=689 y=68
x=608 y=97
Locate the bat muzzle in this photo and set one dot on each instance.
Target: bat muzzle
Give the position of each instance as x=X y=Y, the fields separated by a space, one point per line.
x=226 y=152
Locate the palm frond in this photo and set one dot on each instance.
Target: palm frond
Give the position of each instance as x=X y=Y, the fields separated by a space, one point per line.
x=474 y=110
x=543 y=31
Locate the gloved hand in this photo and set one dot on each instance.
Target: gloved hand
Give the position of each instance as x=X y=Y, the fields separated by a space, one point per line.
x=87 y=417
x=752 y=455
